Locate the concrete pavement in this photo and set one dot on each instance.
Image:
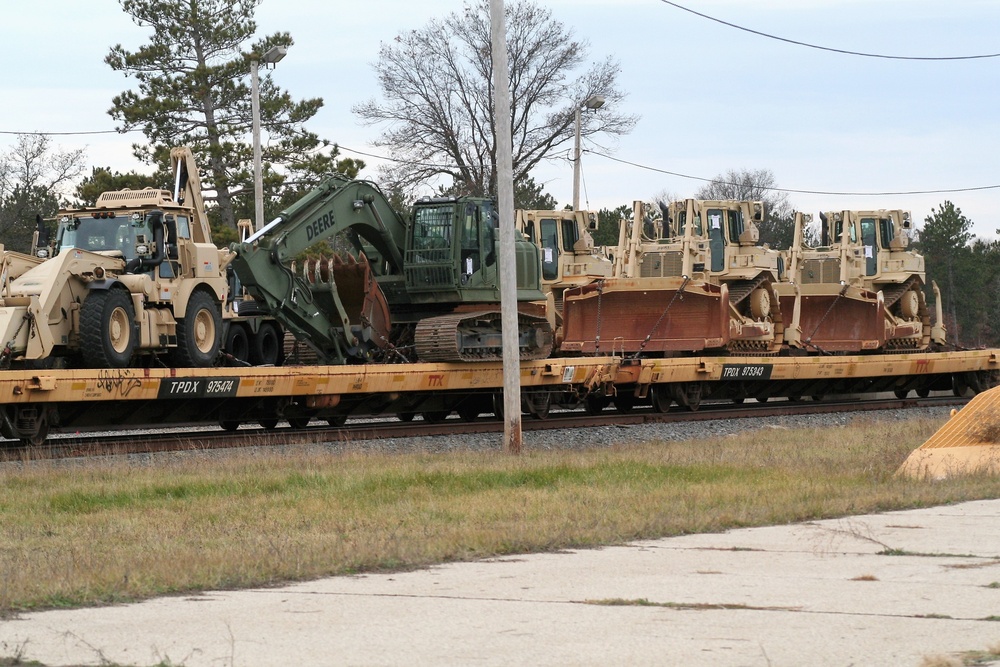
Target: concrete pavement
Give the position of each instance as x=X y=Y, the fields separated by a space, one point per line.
x=818 y=593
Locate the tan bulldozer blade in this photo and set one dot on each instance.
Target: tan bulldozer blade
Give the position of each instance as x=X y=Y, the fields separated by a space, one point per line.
x=969 y=443
x=834 y=323
x=645 y=314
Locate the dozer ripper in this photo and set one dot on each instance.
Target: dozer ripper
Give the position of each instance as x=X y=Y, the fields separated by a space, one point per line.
x=694 y=279
x=133 y=276
x=861 y=290
x=426 y=289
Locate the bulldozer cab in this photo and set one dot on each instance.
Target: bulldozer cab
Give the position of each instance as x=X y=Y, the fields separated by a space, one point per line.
x=881 y=235
x=566 y=246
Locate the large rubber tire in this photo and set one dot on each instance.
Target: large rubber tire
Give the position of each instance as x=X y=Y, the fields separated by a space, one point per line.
x=238 y=342
x=199 y=333
x=266 y=346
x=107 y=329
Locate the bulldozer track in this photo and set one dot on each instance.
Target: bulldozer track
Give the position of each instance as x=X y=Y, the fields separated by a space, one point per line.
x=741 y=289
x=893 y=293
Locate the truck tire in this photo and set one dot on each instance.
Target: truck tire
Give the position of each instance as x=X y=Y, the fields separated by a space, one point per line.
x=199 y=333
x=107 y=329
x=266 y=348
x=238 y=342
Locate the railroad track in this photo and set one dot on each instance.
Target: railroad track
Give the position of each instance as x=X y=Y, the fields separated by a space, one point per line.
x=194 y=438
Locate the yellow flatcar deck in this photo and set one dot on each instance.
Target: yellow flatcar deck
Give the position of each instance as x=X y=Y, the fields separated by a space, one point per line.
x=33 y=400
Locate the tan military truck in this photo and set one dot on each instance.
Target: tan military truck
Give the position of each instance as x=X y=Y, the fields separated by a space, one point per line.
x=132 y=278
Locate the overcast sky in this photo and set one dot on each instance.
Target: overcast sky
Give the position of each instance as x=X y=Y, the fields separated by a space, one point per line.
x=710 y=97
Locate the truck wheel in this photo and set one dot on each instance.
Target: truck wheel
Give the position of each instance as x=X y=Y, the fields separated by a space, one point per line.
x=199 y=333
x=107 y=330
x=238 y=342
x=267 y=346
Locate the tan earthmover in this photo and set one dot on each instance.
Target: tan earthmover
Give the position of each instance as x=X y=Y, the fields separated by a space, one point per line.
x=692 y=280
x=861 y=289
x=134 y=275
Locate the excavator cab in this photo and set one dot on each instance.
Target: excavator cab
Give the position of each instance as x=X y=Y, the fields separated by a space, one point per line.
x=452 y=255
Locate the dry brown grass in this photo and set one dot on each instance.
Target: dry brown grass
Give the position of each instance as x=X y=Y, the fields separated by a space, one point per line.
x=108 y=531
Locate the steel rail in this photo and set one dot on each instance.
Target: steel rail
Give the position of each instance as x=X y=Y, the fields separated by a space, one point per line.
x=199 y=437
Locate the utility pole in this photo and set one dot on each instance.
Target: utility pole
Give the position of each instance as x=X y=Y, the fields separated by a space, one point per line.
x=505 y=204
x=271 y=57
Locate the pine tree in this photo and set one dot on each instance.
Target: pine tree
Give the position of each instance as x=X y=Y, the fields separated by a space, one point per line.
x=193 y=89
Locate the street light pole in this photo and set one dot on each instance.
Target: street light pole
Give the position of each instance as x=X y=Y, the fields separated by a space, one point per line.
x=593 y=102
x=272 y=56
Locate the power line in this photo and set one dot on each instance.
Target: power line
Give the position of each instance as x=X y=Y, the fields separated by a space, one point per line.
x=65 y=134
x=710 y=180
x=826 y=48
x=798 y=191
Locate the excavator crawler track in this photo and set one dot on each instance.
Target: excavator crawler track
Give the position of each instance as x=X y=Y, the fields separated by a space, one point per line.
x=477 y=337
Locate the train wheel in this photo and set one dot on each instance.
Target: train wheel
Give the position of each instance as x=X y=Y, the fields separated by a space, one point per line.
x=406 y=416
x=107 y=332
x=298 y=422
x=238 y=342
x=337 y=420
x=199 y=333
x=662 y=398
x=268 y=423
x=761 y=399
x=229 y=424
x=595 y=405
x=689 y=395
x=468 y=413
x=435 y=416
x=923 y=392
x=266 y=347
x=624 y=403
x=537 y=404
x=900 y=393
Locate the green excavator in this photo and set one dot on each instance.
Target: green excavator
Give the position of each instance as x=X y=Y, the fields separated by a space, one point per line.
x=423 y=289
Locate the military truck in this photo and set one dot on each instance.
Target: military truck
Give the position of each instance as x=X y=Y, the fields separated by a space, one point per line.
x=134 y=279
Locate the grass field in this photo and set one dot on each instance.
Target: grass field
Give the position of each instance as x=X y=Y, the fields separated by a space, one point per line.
x=107 y=530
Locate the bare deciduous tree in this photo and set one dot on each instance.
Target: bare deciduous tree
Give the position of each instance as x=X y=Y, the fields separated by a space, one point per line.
x=437 y=85
x=777 y=228
x=34 y=179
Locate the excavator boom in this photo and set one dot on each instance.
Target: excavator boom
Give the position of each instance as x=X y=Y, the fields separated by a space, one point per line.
x=322 y=306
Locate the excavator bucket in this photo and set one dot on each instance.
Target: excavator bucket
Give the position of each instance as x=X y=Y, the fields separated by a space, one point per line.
x=968 y=443
x=618 y=315
x=837 y=322
x=363 y=301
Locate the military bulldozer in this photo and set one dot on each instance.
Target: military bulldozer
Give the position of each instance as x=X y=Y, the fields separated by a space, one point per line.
x=689 y=280
x=861 y=289
x=424 y=288
x=130 y=278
